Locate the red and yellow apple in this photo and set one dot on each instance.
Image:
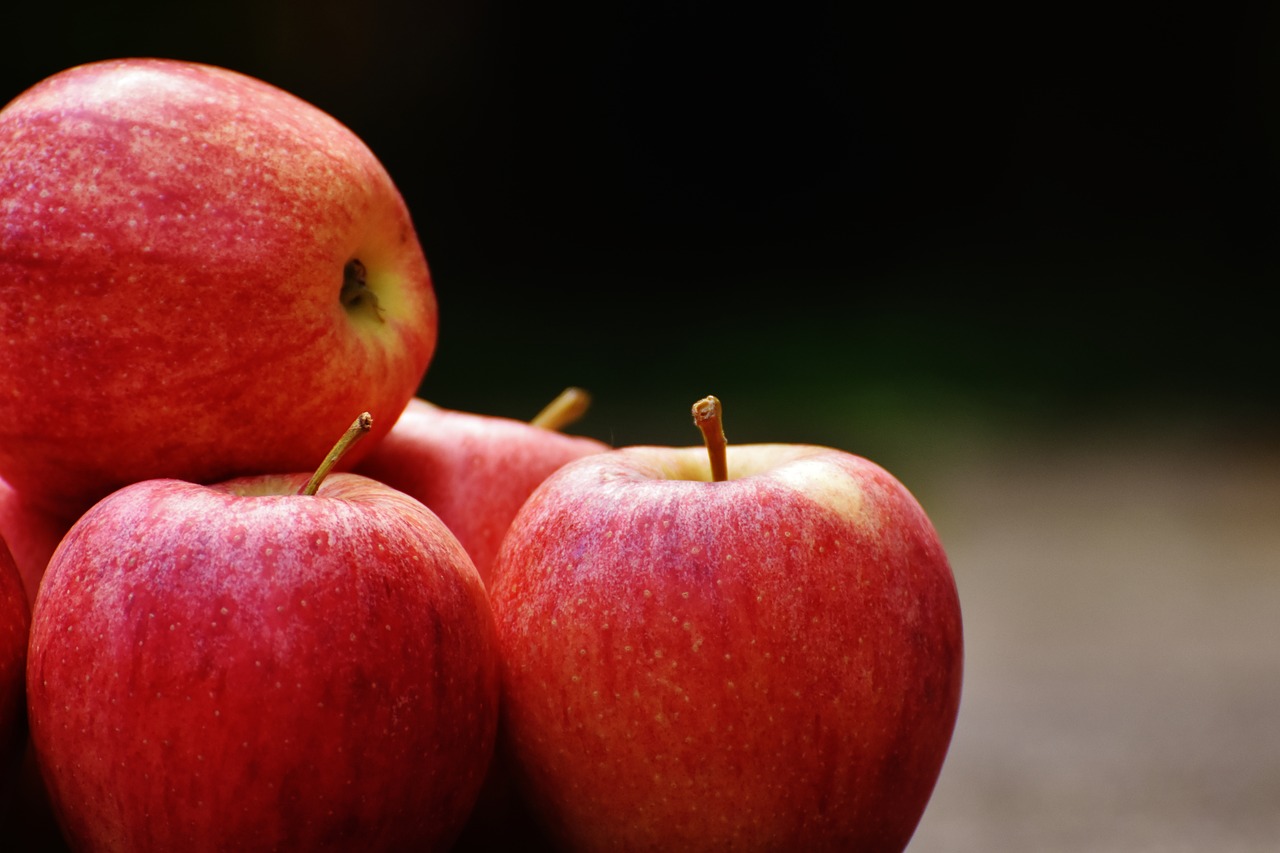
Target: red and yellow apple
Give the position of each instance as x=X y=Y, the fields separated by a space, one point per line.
x=766 y=658
x=472 y=470
x=186 y=253
x=270 y=662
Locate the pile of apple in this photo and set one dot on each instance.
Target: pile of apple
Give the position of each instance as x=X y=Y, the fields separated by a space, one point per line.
x=261 y=596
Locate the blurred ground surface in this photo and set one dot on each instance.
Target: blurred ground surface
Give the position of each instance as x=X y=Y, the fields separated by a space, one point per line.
x=1121 y=597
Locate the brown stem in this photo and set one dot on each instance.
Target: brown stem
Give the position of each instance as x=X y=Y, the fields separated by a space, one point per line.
x=568 y=407
x=354 y=433
x=708 y=417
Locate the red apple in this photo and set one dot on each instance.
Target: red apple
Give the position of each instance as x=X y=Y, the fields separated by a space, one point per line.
x=32 y=532
x=472 y=470
x=768 y=661
x=250 y=666
x=185 y=253
x=15 y=622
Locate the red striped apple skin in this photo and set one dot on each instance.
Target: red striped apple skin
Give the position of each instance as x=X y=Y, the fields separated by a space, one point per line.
x=174 y=243
x=771 y=662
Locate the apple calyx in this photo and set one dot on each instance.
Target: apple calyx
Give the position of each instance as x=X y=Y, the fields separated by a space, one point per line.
x=570 y=405
x=356 y=295
x=359 y=427
x=708 y=417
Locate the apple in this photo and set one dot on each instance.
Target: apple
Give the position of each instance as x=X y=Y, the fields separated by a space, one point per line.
x=473 y=470
x=268 y=662
x=766 y=658
x=32 y=533
x=180 y=245
x=15 y=622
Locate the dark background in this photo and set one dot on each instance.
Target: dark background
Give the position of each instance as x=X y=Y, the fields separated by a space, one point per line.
x=849 y=224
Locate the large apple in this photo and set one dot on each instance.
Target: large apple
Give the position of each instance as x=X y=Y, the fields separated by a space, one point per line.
x=253 y=666
x=766 y=659
x=186 y=253
x=32 y=533
x=472 y=470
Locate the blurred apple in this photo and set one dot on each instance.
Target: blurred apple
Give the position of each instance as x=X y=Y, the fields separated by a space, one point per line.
x=753 y=647
x=32 y=533
x=15 y=623
x=474 y=471
x=254 y=666
x=185 y=253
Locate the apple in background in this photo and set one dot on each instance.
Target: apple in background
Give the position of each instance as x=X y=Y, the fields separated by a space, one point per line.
x=474 y=471
x=769 y=658
x=32 y=533
x=186 y=253
x=14 y=625
x=249 y=665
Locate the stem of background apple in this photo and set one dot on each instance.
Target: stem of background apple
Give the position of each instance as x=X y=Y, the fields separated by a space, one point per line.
x=354 y=433
x=708 y=417
x=568 y=407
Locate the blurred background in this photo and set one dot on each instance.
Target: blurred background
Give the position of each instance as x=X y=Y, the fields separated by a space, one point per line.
x=1020 y=259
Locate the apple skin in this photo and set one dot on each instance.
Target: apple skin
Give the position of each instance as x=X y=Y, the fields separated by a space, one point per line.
x=15 y=623
x=241 y=667
x=174 y=241
x=472 y=470
x=475 y=471
x=772 y=662
x=32 y=533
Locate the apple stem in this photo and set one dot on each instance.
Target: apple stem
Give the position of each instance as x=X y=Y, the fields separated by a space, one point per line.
x=354 y=433
x=708 y=416
x=570 y=405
